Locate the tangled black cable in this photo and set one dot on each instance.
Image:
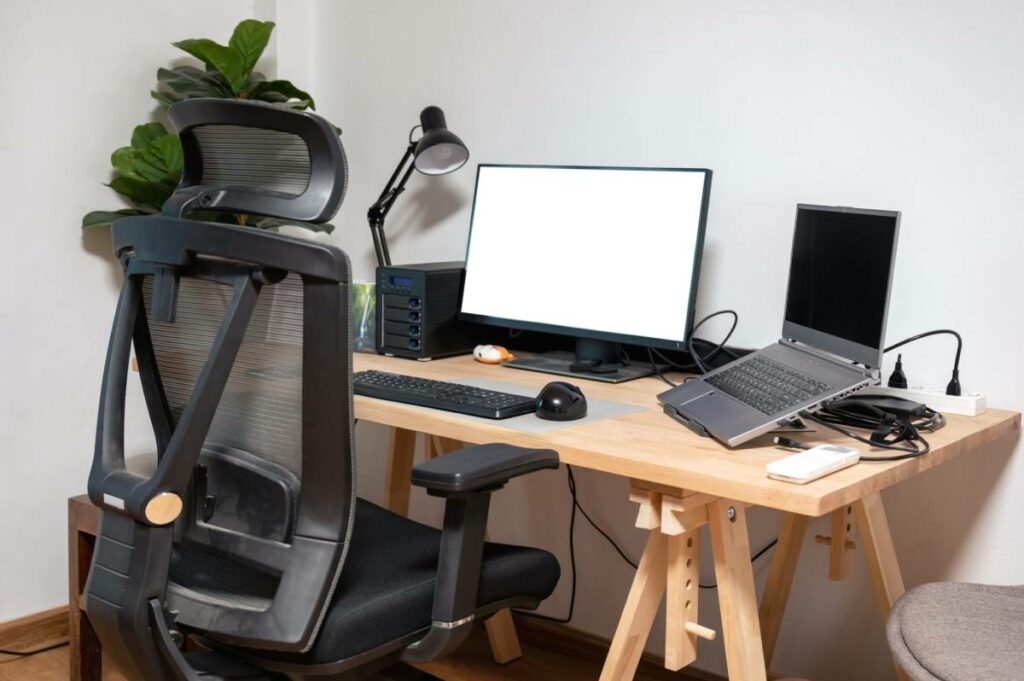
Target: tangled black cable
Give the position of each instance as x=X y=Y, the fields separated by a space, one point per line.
x=711 y=355
x=697 y=362
x=887 y=430
x=576 y=506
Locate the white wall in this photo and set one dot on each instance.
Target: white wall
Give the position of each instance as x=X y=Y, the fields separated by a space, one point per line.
x=911 y=106
x=76 y=78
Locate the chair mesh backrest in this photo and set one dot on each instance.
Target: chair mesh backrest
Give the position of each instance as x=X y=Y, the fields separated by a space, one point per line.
x=260 y=411
x=269 y=160
x=257 y=158
x=244 y=563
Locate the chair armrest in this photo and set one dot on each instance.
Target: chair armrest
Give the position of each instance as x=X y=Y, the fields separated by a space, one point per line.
x=480 y=467
x=467 y=478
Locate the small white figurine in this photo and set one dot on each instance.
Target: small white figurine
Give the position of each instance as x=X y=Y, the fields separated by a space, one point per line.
x=491 y=354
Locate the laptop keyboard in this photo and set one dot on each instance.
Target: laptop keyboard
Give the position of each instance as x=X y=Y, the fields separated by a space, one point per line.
x=766 y=385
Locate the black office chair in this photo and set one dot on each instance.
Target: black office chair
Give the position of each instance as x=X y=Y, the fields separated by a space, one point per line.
x=246 y=554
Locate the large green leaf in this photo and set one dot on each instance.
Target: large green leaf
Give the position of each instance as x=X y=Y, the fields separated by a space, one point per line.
x=279 y=92
x=123 y=161
x=161 y=160
x=146 y=133
x=104 y=218
x=165 y=98
x=143 y=193
x=192 y=82
x=225 y=60
x=155 y=156
x=249 y=40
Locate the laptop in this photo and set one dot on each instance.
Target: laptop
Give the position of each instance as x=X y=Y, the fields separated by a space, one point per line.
x=840 y=274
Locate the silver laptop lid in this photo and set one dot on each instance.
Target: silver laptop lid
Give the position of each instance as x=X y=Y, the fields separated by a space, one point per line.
x=840 y=275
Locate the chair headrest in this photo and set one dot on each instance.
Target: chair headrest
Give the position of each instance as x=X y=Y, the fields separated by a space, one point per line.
x=254 y=157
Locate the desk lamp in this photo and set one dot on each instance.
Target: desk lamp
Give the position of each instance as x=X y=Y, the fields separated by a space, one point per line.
x=438 y=151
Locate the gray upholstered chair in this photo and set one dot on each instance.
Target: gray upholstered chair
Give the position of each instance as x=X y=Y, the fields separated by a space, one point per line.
x=959 y=632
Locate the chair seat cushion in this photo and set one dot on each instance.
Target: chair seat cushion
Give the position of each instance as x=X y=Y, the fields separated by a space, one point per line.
x=386 y=590
x=959 y=632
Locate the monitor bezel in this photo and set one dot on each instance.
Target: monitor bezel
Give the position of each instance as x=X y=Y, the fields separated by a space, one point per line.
x=660 y=343
x=870 y=357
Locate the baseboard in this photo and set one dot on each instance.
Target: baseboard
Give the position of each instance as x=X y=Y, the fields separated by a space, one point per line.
x=35 y=631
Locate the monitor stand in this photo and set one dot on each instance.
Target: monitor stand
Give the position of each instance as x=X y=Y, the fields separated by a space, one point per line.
x=594 y=360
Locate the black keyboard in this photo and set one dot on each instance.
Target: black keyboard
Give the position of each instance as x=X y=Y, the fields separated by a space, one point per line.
x=463 y=399
x=767 y=385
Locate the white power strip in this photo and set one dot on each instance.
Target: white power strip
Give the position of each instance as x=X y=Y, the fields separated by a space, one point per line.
x=968 y=404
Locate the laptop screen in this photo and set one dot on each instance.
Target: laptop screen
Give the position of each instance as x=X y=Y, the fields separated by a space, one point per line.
x=839 y=280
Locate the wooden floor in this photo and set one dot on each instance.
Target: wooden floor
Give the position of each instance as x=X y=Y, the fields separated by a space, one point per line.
x=546 y=655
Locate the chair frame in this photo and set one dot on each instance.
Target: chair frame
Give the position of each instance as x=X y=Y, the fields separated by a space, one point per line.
x=141 y=623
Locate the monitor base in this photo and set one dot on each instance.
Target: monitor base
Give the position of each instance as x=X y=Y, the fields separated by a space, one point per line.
x=559 y=362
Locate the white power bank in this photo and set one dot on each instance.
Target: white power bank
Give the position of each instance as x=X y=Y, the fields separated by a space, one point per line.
x=812 y=464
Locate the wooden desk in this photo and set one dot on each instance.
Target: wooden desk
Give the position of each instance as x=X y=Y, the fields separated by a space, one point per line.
x=682 y=482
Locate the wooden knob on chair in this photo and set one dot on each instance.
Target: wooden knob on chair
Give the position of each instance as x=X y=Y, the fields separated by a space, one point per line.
x=164 y=508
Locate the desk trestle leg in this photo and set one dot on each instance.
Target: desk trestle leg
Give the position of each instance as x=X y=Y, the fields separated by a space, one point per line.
x=881 y=555
x=681 y=520
x=670 y=566
x=780 y=581
x=737 y=598
x=401 y=453
x=639 y=611
x=840 y=543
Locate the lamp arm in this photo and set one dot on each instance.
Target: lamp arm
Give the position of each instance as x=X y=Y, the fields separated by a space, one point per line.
x=379 y=210
x=398 y=170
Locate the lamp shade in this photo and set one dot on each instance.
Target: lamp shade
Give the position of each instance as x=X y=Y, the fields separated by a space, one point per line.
x=439 y=150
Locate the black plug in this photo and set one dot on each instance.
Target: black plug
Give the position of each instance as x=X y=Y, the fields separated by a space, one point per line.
x=953 y=387
x=898 y=380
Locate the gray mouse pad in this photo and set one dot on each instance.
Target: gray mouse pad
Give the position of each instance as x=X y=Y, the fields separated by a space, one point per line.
x=529 y=423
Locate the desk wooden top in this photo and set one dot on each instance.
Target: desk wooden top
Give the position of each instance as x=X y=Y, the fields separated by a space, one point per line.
x=651 y=447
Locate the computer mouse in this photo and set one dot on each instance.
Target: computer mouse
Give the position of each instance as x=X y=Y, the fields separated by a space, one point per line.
x=561 y=401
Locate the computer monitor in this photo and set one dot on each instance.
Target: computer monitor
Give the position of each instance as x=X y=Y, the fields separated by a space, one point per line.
x=608 y=255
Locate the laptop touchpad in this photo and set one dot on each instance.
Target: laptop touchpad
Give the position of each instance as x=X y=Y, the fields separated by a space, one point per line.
x=719 y=413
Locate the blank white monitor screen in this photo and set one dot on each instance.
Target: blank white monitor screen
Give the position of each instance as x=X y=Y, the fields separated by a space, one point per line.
x=606 y=253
